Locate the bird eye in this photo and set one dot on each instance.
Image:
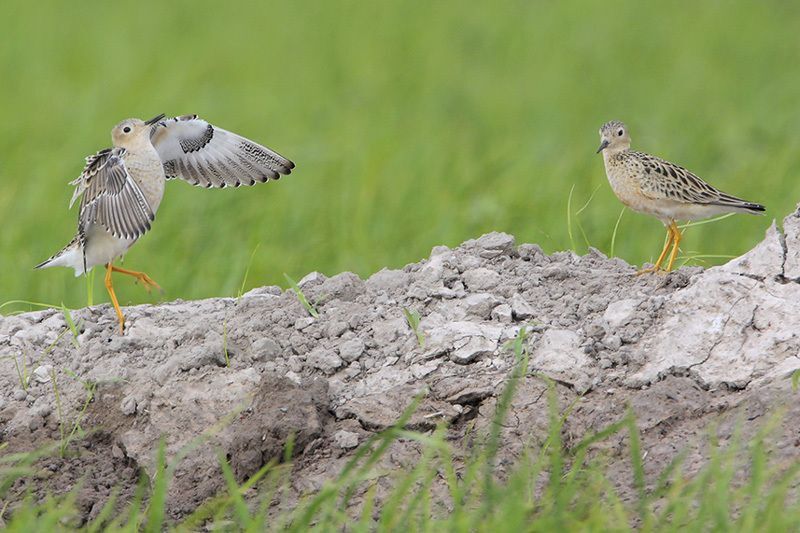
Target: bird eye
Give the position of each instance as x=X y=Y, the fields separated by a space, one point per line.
x=127 y=129
x=619 y=133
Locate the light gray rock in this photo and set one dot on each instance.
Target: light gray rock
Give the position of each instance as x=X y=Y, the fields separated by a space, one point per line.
x=311 y=279
x=495 y=244
x=295 y=363
x=708 y=327
x=521 y=309
x=388 y=280
x=557 y=272
x=502 y=313
x=302 y=323
x=468 y=349
x=419 y=371
x=613 y=342
x=386 y=331
x=128 y=405
x=464 y=341
x=352 y=370
x=619 y=313
x=200 y=356
x=34 y=334
x=345 y=286
x=43 y=373
x=265 y=349
x=480 y=305
x=764 y=260
x=481 y=279
x=558 y=354
x=791 y=243
x=433 y=271
x=266 y=291
x=41 y=407
x=336 y=328
x=325 y=360
x=351 y=350
x=345 y=439
x=56 y=322
x=35 y=422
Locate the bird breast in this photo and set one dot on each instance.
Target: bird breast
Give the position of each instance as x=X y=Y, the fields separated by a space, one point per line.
x=147 y=171
x=621 y=175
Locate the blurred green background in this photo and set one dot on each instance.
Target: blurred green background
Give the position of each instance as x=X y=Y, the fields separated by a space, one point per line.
x=412 y=124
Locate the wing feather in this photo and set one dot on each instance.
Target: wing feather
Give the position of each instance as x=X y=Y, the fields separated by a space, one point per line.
x=665 y=180
x=110 y=197
x=208 y=156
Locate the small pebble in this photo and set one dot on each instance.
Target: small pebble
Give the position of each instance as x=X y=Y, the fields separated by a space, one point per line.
x=128 y=405
x=345 y=439
x=42 y=373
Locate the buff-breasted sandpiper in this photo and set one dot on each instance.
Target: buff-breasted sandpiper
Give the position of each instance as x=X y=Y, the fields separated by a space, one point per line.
x=656 y=187
x=121 y=188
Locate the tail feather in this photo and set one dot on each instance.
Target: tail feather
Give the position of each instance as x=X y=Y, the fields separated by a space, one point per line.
x=737 y=204
x=70 y=255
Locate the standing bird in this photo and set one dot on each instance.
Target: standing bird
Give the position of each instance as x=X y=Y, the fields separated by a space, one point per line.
x=656 y=187
x=121 y=187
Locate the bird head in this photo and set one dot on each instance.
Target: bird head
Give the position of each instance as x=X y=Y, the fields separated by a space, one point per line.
x=614 y=137
x=132 y=131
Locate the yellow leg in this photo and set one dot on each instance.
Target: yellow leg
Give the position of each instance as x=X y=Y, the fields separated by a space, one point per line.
x=657 y=265
x=675 y=242
x=146 y=280
x=110 y=289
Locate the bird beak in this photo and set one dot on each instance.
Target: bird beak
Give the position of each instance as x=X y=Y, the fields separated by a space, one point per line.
x=602 y=146
x=154 y=119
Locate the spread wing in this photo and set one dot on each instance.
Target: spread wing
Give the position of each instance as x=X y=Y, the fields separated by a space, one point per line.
x=110 y=197
x=208 y=156
x=665 y=180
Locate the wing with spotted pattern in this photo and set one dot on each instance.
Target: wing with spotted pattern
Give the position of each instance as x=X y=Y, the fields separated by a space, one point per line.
x=208 y=156
x=665 y=180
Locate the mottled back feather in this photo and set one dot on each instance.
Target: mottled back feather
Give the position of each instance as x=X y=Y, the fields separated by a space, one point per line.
x=664 y=180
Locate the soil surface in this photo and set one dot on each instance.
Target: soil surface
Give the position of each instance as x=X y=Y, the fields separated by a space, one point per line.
x=688 y=350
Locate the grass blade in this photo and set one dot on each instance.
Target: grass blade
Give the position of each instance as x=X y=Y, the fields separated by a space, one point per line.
x=302 y=297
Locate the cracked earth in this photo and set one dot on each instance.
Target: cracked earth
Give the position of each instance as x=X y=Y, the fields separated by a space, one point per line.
x=688 y=350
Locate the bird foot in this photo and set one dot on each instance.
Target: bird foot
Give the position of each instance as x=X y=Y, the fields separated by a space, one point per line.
x=652 y=270
x=148 y=283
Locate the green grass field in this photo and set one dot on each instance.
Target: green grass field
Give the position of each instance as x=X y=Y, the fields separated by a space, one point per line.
x=411 y=123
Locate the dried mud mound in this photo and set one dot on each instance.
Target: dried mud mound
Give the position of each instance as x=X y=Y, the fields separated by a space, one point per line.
x=684 y=350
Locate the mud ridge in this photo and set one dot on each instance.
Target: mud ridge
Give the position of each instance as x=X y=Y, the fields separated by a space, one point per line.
x=683 y=350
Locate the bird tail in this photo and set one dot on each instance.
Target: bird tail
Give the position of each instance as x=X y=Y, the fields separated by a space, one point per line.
x=70 y=255
x=735 y=204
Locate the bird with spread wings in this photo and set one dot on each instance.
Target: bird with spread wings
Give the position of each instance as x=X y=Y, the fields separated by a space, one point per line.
x=120 y=188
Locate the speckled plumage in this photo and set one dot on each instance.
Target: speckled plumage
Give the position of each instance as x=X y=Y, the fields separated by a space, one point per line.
x=654 y=186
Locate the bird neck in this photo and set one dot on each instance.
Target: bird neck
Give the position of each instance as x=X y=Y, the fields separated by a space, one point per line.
x=139 y=145
x=611 y=154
